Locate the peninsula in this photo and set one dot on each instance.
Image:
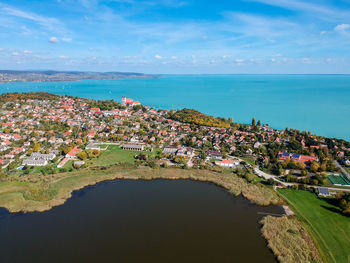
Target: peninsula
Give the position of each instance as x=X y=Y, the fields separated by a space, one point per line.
x=52 y=145
x=7 y=76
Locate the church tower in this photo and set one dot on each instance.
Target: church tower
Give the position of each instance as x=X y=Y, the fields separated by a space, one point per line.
x=124 y=101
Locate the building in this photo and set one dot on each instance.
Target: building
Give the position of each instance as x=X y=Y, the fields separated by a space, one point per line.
x=73 y=153
x=227 y=163
x=214 y=154
x=39 y=159
x=34 y=162
x=184 y=151
x=79 y=163
x=95 y=110
x=63 y=162
x=93 y=146
x=282 y=156
x=169 y=150
x=323 y=191
x=129 y=102
x=47 y=157
x=133 y=147
x=124 y=101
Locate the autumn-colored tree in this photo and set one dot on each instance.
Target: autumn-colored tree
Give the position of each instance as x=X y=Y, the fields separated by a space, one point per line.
x=36 y=147
x=314 y=167
x=82 y=155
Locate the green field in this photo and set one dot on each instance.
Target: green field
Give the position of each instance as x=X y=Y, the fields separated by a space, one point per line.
x=248 y=160
x=338 y=180
x=115 y=154
x=329 y=229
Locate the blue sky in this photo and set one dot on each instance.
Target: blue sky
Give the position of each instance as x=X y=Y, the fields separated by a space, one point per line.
x=183 y=36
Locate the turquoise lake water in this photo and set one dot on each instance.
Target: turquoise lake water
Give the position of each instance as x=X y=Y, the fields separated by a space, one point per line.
x=316 y=103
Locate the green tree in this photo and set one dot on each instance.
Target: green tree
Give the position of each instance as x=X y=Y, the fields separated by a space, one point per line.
x=82 y=155
x=253 y=122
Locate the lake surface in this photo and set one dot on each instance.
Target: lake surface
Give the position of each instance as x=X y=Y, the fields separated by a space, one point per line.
x=139 y=221
x=317 y=103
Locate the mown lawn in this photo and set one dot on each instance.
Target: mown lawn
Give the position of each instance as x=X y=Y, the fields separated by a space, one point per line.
x=329 y=228
x=248 y=160
x=115 y=154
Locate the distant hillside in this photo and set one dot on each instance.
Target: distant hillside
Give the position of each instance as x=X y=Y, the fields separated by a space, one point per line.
x=9 y=97
x=36 y=76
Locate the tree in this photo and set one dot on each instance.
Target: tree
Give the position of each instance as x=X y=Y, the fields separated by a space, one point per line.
x=271 y=181
x=82 y=155
x=253 y=122
x=67 y=149
x=36 y=147
x=301 y=165
x=259 y=123
x=314 y=167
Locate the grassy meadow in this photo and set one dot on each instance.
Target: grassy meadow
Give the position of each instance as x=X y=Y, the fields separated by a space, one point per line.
x=329 y=228
x=115 y=154
x=289 y=240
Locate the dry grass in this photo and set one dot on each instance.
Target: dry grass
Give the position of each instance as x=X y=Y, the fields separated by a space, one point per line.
x=43 y=194
x=288 y=240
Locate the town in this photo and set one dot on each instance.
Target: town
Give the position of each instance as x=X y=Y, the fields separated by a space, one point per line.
x=48 y=134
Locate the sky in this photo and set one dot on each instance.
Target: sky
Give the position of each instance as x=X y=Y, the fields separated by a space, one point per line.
x=177 y=36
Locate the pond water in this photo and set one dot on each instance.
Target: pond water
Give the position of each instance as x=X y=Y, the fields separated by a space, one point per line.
x=139 y=221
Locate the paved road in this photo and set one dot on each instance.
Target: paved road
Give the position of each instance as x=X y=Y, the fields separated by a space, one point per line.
x=269 y=176
x=339 y=189
x=342 y=169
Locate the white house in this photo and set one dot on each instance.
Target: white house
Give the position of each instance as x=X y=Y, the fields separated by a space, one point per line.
x=227 y=163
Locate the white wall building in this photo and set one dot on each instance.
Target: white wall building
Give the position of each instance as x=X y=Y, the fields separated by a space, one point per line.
x=227 y=163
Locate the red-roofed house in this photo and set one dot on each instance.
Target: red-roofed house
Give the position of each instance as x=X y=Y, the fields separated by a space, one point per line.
x=63 y=162
x=73 y=153
x=94 y=110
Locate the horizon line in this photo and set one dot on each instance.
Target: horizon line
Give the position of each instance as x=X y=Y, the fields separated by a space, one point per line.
x=164 y=74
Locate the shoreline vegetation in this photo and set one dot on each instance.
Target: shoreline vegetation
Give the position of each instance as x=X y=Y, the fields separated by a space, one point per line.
x=289 y=240
x=32 y=195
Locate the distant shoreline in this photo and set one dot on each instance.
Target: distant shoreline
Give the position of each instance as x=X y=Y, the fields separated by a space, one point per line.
x=13 y=76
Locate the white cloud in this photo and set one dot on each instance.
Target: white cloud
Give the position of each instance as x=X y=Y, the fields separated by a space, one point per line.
x=342 y=27
x=15 y=54
x=322 y=11
x=49 y=23
x=239 y=60
x=158 y=57
x=67 y=39
x=54 y=40
x=306 y=61
x=27 y=51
